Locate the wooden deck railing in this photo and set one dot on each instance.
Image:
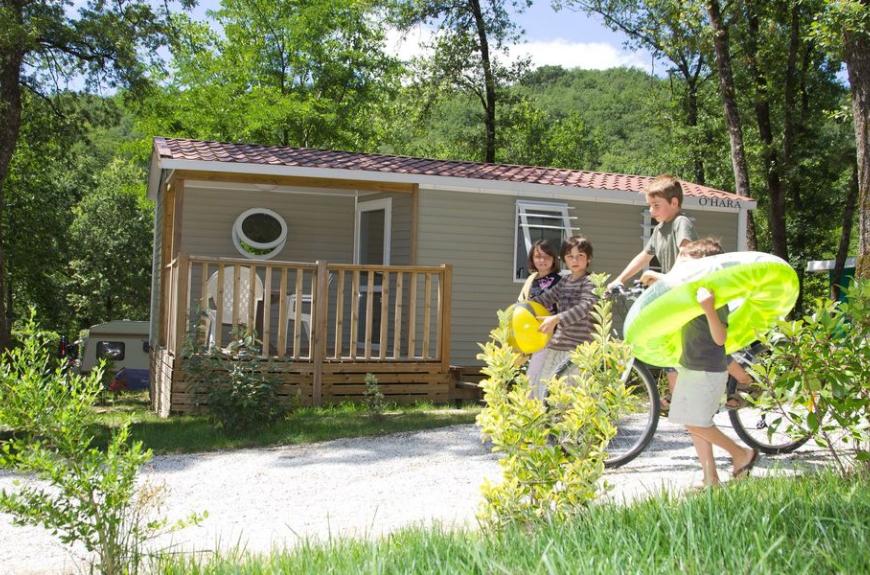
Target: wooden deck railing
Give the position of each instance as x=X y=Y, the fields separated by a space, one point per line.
x=311 y=312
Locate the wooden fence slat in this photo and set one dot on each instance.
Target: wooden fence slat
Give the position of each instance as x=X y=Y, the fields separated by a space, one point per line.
x=267 y=312
x=447 y=290
x=339 y=315
x=354 y=313
x=397 y=327
x=251 y=318
x=319 y=309
x=385 y=314
x=412 y=317
x=219 y=312
x=297 y=319
x=203 y=303
x=370 y=298
x=282 y=314
x=427 y=312
x=237 y=292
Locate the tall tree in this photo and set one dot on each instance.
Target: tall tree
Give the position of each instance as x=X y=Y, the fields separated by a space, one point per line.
x=308 y=73
x=770 y=154
x=469 y=36
x=42 y=42
x=729 y=102
x=110 y=234
x=843 y=28
x=673 y=31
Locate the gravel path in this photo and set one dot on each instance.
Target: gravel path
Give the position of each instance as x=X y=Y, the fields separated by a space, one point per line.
x=268 y=498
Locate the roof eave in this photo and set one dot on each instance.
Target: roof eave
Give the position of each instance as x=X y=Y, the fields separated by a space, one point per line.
x=453 y=183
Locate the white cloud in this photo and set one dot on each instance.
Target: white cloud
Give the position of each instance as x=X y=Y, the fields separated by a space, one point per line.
x=409 y=45
x=586 y=55
x=558 y=52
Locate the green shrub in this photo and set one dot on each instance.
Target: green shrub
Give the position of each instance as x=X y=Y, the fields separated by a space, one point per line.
x=554 y=451
x=816 y=376
x=242 y=396
x=374 y=399
x=91 y=496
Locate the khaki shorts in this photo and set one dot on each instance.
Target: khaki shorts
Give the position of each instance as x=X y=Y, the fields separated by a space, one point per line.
x=697 y=397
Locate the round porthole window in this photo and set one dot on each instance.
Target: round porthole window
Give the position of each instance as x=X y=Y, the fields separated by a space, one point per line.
x=259 y=233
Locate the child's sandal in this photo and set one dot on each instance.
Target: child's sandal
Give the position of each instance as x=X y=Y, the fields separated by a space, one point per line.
x=735 y=401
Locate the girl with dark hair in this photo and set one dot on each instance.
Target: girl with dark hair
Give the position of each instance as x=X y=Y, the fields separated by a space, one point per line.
x=543 y=271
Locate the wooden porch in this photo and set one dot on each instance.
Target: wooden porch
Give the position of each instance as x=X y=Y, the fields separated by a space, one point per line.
x=320 y=327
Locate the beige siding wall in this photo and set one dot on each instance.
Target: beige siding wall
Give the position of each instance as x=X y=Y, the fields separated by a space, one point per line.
x=156 y=271
x=475 y=233
x=318 y=226
x=720 y=225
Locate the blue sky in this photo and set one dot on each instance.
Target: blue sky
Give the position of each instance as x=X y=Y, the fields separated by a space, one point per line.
x=567 y=38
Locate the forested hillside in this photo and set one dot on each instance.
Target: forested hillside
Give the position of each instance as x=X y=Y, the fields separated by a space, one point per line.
x=76 y=239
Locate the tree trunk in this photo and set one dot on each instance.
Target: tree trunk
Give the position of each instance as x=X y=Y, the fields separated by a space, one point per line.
x=10 y=125
x=769 y=154
x=845 y=234
x=489 y=82
x=789 y=132
x=732 y=115
x=692 y=122
x=856 y=47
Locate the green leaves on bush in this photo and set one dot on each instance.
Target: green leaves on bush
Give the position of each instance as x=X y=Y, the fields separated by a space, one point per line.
x=554 y=451
x=91 y=495
x=817 y=376
x=240 y=392
x=374 y=398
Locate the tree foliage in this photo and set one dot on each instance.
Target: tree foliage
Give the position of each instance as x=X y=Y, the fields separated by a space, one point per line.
x=110 y=269
x=306 y=73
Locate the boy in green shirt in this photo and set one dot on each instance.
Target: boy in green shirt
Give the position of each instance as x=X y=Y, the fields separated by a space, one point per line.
x=664 y=196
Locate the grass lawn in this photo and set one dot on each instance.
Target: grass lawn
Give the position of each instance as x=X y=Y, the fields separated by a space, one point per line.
x=812 y=524
x=183 y=434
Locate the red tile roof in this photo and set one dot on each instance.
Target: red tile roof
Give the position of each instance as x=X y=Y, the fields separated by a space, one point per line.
x=180 y=149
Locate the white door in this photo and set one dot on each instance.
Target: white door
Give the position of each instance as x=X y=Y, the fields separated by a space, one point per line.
x=373 y=227
x=373 y=230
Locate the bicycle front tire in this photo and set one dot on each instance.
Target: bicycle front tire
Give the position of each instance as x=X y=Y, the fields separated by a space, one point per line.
x=753 y=426
x=635 y=430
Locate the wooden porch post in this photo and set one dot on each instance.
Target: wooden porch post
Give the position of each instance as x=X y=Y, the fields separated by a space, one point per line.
x=447 y=291
x=181 y=304
x=318 y=333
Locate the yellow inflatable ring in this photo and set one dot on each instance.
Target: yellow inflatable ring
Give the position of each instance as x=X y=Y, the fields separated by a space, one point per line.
x=759 y=288
x=523 y=334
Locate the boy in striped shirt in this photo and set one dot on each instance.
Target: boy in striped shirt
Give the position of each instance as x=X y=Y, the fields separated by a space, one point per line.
x=574 y=296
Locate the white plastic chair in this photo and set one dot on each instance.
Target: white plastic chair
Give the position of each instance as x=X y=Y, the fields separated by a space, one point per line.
x=227 y=301
x=307 y=298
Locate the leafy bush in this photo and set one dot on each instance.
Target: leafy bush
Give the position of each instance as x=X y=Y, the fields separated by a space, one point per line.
x=240 y=393
x=554 y=451
x=374 y=398
x=816 y=376
x=91 y=495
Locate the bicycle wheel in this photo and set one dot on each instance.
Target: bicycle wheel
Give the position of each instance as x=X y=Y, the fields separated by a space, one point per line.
x=636 y=428
x=757 y=428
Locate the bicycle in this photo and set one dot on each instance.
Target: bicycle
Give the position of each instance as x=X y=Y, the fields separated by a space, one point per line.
x=636 y=429
x=752 y=424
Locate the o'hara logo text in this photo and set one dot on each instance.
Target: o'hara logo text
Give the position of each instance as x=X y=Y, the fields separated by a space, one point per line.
x=719 y=203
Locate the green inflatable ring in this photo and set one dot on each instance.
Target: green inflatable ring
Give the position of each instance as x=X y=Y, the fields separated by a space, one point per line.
x=759 y=289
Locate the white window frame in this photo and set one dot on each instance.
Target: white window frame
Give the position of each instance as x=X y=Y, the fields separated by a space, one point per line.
x=275 y=246
x=521 y=222
x=385 y=204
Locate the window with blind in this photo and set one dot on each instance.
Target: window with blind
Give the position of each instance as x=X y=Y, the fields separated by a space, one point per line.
x=539 y=221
